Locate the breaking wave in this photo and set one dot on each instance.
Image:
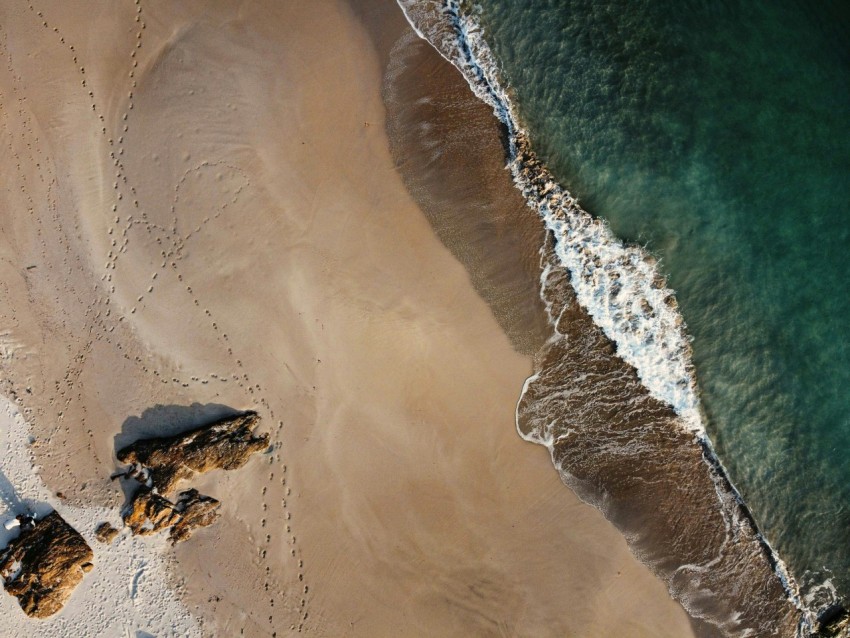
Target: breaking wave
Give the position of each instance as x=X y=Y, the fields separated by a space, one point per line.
x=620 y=287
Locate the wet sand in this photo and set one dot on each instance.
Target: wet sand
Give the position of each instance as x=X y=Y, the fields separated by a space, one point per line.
x=217 y=218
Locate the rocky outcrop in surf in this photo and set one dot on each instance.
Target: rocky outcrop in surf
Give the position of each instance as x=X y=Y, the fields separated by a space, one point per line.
x=833 y=622
x=44 y=565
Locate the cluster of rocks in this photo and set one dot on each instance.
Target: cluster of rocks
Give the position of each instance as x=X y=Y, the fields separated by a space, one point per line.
x=159 y=464
x=43 y=565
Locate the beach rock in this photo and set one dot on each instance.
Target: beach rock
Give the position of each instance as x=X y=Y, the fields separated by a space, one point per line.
x=196 y=511
x=105 y=533
x=150 y=513
x=44 y=564
x=159 y=464
x=225 y=444
x=833 y=622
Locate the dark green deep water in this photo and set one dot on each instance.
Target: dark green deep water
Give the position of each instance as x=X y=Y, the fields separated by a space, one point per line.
x=717 y=133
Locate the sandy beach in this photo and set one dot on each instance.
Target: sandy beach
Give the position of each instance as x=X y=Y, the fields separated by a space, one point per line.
x=203 y=210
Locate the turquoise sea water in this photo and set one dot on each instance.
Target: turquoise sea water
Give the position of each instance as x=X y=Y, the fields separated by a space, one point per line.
x=718 y=135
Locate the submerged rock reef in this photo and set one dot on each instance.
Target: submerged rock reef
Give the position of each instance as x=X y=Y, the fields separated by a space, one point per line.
x=43 y=566
x=160 y=463
x=833 y=622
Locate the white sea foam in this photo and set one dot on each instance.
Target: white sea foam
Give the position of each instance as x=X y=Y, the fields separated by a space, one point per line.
x=102 y=604
x=619 y=285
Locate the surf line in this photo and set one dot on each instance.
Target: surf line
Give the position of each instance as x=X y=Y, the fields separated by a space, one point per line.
x=619 y=285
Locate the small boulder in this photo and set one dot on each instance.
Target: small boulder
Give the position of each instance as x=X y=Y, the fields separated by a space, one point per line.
x=105 y=533
x=44 y=564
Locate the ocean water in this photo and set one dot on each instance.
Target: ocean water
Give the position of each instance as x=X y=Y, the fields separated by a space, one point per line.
x=717 y=136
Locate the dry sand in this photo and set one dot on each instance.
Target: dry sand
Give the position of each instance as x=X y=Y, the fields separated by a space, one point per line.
x=200 y=209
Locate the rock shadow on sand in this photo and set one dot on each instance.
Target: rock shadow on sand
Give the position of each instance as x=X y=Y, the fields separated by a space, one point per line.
x=170 y=420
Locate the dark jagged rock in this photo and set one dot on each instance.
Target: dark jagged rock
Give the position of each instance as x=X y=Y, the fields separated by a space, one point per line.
x=105 y=533
x=833 y=622
x=196 y=511
x=150 y=513
x=226 y=444
x=44 y=565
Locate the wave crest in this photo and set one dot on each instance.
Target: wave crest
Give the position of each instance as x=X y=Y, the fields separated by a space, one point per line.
x=619 y=285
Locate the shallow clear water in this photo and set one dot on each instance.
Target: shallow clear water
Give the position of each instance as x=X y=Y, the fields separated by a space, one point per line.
x=716 y=133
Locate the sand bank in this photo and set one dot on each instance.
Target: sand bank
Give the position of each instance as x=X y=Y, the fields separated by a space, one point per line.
x=240 y=235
